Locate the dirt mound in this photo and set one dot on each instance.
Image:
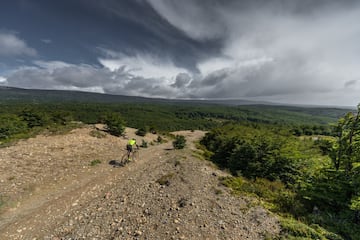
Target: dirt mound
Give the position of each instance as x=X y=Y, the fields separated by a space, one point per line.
x=166 y=194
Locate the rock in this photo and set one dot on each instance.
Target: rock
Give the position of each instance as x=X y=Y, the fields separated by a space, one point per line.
x=137 y=233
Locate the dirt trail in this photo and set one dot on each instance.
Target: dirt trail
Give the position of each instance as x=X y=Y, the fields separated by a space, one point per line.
x=166 y=194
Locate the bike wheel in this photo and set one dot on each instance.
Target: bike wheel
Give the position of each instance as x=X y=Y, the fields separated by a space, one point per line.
x=124 y=159
x=135 y=155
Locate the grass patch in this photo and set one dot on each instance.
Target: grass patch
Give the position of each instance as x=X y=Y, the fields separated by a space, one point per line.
x=217 y=191
x=2 y=201
x=296 y=230
x=29 y=188
x=53 y=129
x=97 y=134
x=60 y=129
x=182 y=202
x=177 y=163
x=95 y=162
x=198 y=155
x=144 y=144
x=274 y=196
x=11 y=178
x=206 y=154
x=165 y=179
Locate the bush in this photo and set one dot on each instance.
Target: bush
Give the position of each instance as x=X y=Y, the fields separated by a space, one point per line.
x=95 y=162
x=144 y=144
x=294 y=229
x=61 y=117
x=141 y=132
x=325 y=146
x=160 y=139
x=11 y=125
x=2 y=201
x=97 y=134
x=115 y=125
x=255 y=152
x=179 y=142
x=153 y=130
x=34 y=118
x=276 y=195
x=165 y=179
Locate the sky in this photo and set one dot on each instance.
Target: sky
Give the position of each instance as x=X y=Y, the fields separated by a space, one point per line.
x=284 y=51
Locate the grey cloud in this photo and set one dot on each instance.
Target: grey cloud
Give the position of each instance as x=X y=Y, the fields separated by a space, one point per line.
x=149 y=87
x=12 y=45
x=217 y=77
x=270 y=79
x=313 y=44
x=182 y=79
x=264 y=82
x=157 y=36
x=81 y=77
x=76 y=77
x=195 y=18
x=210 y=20
x=351 y=83
x=88 y=78
x=47 y=41
x=31 y=78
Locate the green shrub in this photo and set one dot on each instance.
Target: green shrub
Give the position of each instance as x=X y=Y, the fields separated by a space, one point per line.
x=34 y=118
x=115 y=125
x=11 y=125
x=293 y=229
x=179 y=142
x=144 y=144
x=95 y=162
x=61 y=117
x=97 y=134
x=141 y=132
x=256 y=152
x=62 y=129
x=279 y=198
x=153 y=130
x=165 y=179
x=2 y=201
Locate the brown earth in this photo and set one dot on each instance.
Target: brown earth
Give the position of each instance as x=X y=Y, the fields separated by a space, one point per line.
x=51 y=191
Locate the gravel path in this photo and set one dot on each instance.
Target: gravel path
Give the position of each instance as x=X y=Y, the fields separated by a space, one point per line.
x=166 y=194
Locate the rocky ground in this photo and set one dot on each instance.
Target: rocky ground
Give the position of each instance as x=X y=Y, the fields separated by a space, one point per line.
x=52 y=191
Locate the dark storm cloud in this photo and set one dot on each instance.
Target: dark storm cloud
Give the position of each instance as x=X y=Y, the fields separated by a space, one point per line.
x=216 y=77
x=182 y=79
x=289 y=51
x=60 y=75
x=77 y=27
x=312 y=45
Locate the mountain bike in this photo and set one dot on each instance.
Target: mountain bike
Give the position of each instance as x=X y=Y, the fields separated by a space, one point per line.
x=134 y=155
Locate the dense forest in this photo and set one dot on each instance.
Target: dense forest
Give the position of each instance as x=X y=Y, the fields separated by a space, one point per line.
x=21 y=118
x=312 y=179
x=302 y=164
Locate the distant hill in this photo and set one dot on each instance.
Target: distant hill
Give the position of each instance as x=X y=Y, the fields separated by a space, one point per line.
x=255 y=109
x=12 y=94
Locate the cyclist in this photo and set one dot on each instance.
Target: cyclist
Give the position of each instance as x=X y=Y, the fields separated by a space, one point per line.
x=130 y=147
